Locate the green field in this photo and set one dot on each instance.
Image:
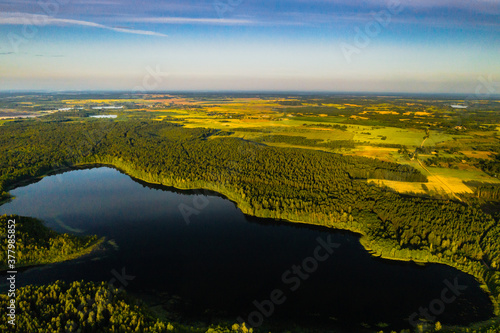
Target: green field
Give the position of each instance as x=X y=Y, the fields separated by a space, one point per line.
x=326 y=179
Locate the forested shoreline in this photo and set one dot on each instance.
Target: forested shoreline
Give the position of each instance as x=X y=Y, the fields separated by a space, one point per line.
x=35 y=244
x=293 y=184
x=80 y=307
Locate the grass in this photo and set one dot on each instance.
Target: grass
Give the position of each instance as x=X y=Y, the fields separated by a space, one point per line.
x=229 y=124
x=393 y=135
x=408 y=137
x=443 y=181
x=380 y=153
x=465 y=175
x=231 y=114
x=401 y=187
x=478 y=154
x=38 y=245
x=440 y=180
x=287 y=145
x=319 y=119
x=434 y=186
x=263 y=114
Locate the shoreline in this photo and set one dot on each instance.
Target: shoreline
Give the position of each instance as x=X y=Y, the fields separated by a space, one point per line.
x=77 y=255
x=368 y=244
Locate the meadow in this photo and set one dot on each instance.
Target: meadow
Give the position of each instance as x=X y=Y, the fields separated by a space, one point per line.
x=340 y=162
x=379 y=127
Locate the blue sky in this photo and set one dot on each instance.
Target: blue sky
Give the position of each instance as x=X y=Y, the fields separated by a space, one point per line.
x=307 y=45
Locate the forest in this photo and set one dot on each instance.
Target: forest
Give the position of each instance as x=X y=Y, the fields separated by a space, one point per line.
x=286 y=183
x=474 y=117
x=36 y=244
x=89 y=307
x=303 y=141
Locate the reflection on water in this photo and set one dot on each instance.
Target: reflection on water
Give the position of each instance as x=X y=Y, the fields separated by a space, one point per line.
x=223 y=263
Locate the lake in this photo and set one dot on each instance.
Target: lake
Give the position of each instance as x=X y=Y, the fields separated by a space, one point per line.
x=104 y=116
x=199 y=257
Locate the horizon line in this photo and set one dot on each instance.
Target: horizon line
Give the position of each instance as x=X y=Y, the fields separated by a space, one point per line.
x=223 y=91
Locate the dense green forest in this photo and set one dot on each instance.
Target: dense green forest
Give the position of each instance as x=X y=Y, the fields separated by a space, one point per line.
x=89 y=307
x=84 y=307
x=36 y=244
x=303 y=141
x=487 y=191
x=491 y=167
x=299 y=185
x=479 y=114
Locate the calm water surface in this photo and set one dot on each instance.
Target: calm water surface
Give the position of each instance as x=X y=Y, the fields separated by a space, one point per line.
x=218 y=264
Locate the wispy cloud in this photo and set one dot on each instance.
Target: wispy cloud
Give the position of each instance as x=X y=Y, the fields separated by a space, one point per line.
x=43 y=20
x=478 y=5
x=189 y=20
x=437 y=20
x=50 y=55
x=445 y=13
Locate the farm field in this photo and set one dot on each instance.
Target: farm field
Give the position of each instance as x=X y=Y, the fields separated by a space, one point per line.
x=414 y=151
x=372 y=127
x=250 y=167
x=377 y=127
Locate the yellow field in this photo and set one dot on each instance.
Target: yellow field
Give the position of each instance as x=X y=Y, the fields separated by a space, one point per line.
x=338 y=106
x=401 y=187
x=380 y=112
x=444 y=181
x=254 y=113
x=381 y=153
x=228 y=124
x=477 y=154
x=98 y=101
x=408 y=137
x=423 y=113
x=435 y=184
x=273 y=118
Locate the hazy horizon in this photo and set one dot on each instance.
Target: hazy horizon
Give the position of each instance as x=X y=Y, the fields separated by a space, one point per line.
x=246 y=46
x=270 y=93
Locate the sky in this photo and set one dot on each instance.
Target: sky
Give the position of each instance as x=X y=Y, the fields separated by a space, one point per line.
x=428 y=46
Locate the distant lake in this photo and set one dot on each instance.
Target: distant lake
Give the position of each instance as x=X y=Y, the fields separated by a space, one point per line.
x=214 y=267
x=104 y=116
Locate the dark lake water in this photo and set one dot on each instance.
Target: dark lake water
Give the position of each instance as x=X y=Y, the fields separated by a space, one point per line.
x=218 y=264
